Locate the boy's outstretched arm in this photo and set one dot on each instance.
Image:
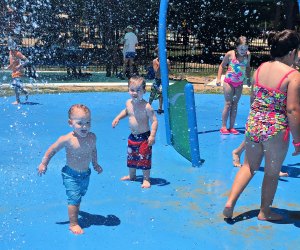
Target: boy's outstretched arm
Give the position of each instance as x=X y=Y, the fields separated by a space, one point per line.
x=95 y=164
x=154 y=124
x=120 y=116
x=52 y=150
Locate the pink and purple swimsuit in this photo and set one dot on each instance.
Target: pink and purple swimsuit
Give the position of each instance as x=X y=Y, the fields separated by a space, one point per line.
x=236 y=72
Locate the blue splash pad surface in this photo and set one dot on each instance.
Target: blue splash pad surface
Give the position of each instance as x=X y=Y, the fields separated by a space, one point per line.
x=182 y=210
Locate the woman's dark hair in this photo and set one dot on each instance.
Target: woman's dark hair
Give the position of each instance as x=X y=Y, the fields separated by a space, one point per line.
x=270 y=37
x=283 y=42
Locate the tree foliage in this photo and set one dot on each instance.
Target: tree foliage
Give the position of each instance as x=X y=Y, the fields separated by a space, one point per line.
x=214 y=22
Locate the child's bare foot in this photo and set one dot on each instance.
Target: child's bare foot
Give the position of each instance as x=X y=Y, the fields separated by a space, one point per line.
x=282 y=174
x=128 y=178
x=270 y=217
x=76 y=229
x=146 y=184
x=228 y=212
x=15 y=103
x=236 y=159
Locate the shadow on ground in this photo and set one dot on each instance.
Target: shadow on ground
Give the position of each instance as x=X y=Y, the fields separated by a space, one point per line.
x=154 y=181
x=86 y=220
x=289 y=217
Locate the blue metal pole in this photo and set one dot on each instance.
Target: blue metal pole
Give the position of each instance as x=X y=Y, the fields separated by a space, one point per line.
x=163 y=10
x=192 y=125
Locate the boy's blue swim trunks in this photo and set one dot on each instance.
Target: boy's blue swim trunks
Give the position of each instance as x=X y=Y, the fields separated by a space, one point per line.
x=76 y=184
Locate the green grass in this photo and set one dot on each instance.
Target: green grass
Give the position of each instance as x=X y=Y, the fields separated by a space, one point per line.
x=62 y=77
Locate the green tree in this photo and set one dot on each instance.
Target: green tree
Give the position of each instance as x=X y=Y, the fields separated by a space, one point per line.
x=215 y=23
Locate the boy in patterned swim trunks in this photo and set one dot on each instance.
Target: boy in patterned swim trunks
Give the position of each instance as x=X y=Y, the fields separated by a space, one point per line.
x=141 y=139
x=80 y=146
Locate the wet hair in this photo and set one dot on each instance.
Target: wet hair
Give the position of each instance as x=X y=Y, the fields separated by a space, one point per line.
x=242 y=40
x=12 y=45
x=78 y=106
x=137 y=80
x=270 y=37
x=283 y=42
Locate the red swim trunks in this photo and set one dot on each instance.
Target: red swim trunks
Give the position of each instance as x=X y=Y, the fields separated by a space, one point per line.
x=139 y=154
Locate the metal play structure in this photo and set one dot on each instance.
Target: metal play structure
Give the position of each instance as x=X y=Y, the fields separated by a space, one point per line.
x=179 y=104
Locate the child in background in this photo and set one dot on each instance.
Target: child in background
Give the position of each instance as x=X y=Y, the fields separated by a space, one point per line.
x=17 y=62
x=80 y=146
x=141 y=139
x=156 y=89
x=238 y=73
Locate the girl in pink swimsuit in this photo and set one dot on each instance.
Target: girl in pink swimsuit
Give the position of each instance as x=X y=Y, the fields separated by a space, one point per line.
x=274 y=112
x=267 y=115
x=238 y=73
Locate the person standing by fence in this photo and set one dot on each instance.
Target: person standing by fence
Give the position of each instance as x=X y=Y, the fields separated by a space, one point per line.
x=129 y=51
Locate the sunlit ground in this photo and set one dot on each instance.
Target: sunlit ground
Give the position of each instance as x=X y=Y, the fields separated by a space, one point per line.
x=182 y=210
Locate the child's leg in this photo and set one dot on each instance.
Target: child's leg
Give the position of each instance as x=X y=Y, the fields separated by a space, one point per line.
x=73 y=211
x=283 y=174
x=131 y=176
x=146 y=179
x=159 y=110
x=228 y=95
x=25 y=92
x=275 y=152
x=17 y=93
x=253 y=158
x=160 y=102
x=234 y=105
x=152 y=94
x=236 y=154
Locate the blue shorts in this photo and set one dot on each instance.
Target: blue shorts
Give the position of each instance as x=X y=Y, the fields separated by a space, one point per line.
x=76 y=184
x=129 y=55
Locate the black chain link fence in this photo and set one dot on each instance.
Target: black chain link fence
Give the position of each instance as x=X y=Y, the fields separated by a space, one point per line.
x=186 y=53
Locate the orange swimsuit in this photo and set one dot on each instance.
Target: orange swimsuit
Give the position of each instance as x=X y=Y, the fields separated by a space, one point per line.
x=15 y=61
